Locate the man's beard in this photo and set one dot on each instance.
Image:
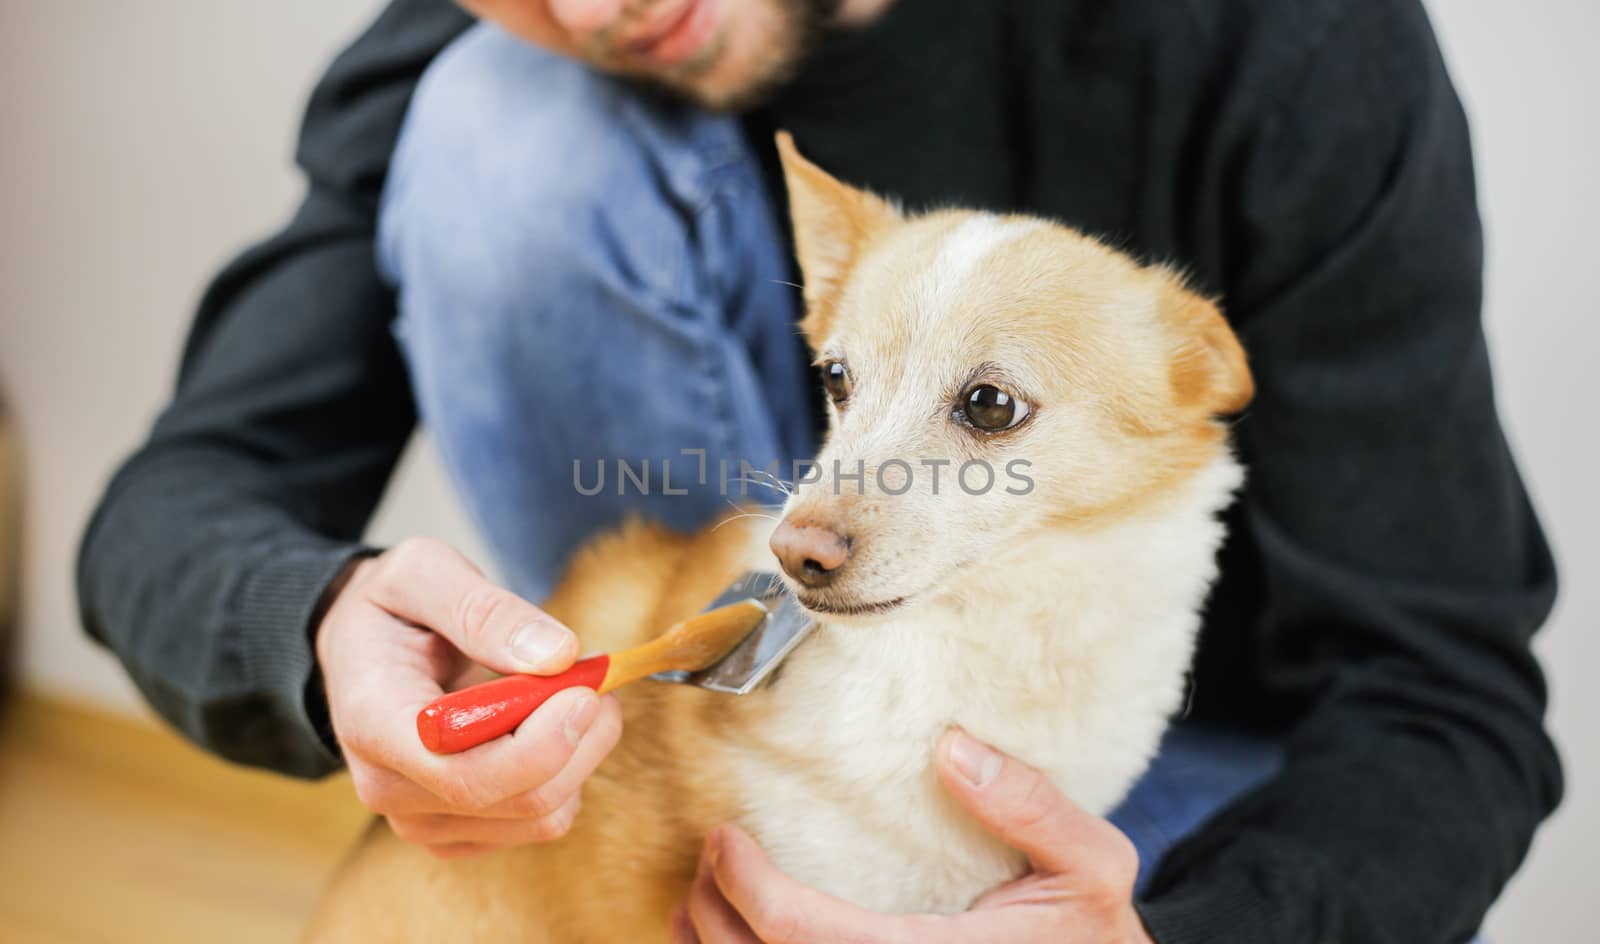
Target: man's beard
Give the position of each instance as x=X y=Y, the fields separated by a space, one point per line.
x=797 y=28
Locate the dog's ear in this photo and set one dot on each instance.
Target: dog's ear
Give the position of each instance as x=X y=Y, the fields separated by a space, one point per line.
x=833 y=223
x=1209 y=372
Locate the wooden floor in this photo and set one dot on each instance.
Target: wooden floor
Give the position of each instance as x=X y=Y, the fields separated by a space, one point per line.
x=116 y=831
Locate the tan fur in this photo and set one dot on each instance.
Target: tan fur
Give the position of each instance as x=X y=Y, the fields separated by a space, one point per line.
x=833 y=226
x=1209 y=374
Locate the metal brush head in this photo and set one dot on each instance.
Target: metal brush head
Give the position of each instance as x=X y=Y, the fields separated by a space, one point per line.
x=754 y=658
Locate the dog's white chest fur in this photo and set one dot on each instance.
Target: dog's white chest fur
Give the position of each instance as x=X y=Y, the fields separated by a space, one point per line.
x=1069 y=655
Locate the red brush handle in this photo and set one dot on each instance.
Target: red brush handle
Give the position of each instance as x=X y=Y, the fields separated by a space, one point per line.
x=472 y=716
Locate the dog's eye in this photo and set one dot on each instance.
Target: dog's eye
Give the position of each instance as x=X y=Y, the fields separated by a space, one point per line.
x=836 y=380
x=991 y=409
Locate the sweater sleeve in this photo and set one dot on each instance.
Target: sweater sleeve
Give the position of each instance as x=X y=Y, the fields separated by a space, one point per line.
x=206 y=558
x=1402 y=571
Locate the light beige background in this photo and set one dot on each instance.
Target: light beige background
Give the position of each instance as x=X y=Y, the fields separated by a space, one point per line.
x=142 y=142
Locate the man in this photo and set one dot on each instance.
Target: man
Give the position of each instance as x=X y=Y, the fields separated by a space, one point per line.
x=576 y=241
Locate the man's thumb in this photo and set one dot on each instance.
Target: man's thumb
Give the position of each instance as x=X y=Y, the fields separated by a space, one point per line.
x=431 y=584
x=1021 y=806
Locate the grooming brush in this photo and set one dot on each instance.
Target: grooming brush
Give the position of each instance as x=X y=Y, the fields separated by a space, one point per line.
x=730 y=647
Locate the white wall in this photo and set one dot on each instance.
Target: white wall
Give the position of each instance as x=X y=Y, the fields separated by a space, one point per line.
x=1528 y=74
x=144 y=141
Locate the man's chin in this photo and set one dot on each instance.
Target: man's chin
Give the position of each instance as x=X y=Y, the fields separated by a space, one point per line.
x=722 y=87
x=748 y=61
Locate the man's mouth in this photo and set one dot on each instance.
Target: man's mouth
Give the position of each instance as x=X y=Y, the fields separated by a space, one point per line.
x=681 y=37
x=817 y=604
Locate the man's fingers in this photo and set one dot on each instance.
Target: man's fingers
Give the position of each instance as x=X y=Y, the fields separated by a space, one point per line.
x=593 y=747
x=1021 y=806
x=713 y=920
x=430 y=583
x=682 y=927
x=444 y=830
x=1034 y=921
x=391 y=794
x=781 y=910
x=379 y=673
x=477 y=780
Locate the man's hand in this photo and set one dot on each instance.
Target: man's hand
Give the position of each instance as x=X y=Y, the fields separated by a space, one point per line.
x=1080 y=889
x=405 y=626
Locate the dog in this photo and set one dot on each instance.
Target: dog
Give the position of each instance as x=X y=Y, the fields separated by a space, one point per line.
x=1012 y=529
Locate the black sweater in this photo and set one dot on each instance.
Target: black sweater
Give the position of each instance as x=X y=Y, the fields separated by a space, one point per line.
x=1306 y=161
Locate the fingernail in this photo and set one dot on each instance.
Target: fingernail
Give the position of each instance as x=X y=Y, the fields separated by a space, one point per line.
x=976 y=761
x=713 y=847
x=535 y=644
x=580 y=716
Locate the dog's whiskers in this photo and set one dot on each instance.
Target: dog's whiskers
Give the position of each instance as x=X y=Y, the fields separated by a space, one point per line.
x=769 y=480
x=746 y=514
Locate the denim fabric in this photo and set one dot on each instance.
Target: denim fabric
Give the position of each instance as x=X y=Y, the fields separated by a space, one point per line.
x=587 y=274
x=1196 y=772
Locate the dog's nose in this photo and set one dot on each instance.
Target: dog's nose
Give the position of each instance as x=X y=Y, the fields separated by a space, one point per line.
x=810 y=553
